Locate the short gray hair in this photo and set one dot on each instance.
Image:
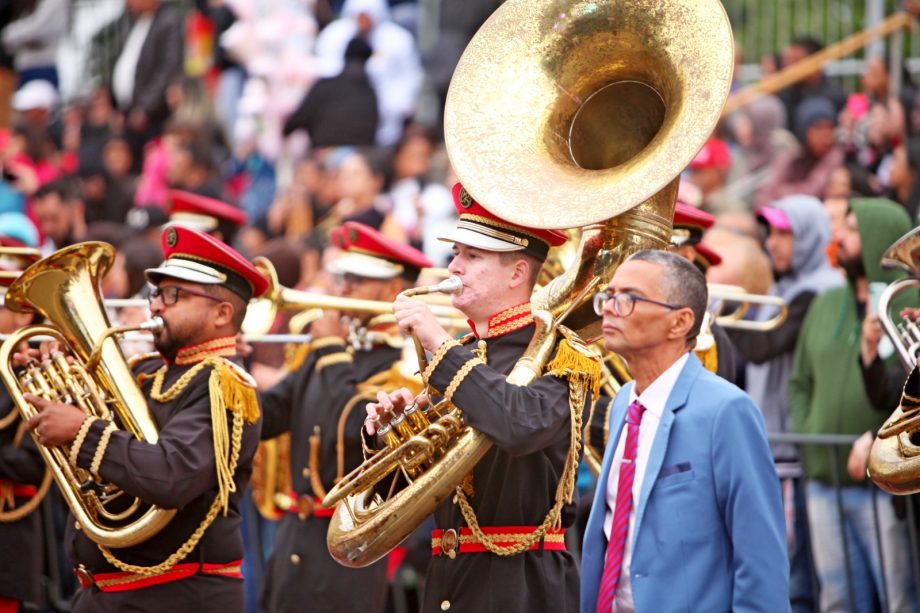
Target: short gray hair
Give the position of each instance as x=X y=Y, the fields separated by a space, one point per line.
x=682 y=282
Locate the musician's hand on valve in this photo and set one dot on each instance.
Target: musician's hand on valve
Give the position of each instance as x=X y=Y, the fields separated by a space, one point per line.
x=911 y=313
x=56 y=423
x=388 y=405
x=871 y=336
x=414 y=317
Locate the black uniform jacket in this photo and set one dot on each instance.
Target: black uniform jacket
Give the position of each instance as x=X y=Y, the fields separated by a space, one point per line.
x=513 y=485
x=178 y=472
x=22 y=464
x=301 y=575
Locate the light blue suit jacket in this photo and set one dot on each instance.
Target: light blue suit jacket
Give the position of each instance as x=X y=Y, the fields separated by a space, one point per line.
x=709 y=532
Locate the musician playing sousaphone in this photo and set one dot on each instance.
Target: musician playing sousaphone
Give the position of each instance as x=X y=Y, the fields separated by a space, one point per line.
x=487 y=551
x=21 y=466
x=207 y=412
x=322 y=404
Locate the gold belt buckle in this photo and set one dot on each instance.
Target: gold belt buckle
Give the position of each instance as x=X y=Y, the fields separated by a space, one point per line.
x=449 y=543
x=304 y=507
x=84 y=576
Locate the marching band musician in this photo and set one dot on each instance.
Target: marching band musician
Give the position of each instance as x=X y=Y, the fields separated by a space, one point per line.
x=343 y=361
x=207 y=412
x=21 y=466
x=513 y=493
x=215 y=217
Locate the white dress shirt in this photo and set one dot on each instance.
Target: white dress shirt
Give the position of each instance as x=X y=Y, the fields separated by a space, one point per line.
x=654 y=399
x=126 y=66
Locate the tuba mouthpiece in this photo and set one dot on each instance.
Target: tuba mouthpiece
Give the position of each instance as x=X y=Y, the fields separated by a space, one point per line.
x=450 y=285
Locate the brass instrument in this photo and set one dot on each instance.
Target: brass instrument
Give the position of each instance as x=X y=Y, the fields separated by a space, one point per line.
x=734 y=303
x=894 y=461
x=65 y=289
x=261 y=312
x=598 y=108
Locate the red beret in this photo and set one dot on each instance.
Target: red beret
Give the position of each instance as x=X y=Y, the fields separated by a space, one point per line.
x=479 y=227
x=200 y=258
x=15 y=259
x=368 y=253
x=689 y=224
x=202 y=213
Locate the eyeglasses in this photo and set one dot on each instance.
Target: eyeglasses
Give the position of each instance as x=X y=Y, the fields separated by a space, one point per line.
x=170 y=294
x=624 y=304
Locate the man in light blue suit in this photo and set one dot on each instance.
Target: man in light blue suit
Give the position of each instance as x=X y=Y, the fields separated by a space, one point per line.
x=688 y=514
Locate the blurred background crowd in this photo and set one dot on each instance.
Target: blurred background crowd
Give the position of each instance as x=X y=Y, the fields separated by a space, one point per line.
x=298 y=115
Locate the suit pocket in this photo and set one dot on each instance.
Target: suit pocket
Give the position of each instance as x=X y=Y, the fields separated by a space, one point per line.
x=671 y=476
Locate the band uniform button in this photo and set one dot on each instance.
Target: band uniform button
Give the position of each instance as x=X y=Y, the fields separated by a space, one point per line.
x=295 y=559
x=305 y=472
x=449 y=542
x=445 y=605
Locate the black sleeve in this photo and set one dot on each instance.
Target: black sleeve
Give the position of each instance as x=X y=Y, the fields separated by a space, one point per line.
x=302 y=117
x=725 y=353
x=23 y=463
x=517 y=419
x=883 y=383
x=759 y=347
x=175 y=470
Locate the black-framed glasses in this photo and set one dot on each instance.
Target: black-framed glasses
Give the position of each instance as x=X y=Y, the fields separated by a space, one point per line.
x=624 y=303
x=169 y=294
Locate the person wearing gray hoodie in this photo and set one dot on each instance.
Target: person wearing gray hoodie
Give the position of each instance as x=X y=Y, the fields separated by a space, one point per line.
x=797 y=232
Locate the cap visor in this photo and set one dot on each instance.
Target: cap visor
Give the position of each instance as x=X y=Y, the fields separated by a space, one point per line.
x=477 y=240
x=775 y=218
x=183 y=274
x=362 y=266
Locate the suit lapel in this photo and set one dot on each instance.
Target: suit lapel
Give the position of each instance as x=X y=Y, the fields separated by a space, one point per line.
x=676 y=401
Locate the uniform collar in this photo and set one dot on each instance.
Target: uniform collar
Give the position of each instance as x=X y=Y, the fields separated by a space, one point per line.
x=217 y=347
x=508 y=320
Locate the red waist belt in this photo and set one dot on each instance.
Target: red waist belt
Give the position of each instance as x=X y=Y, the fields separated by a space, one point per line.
x=123 y=582
x=308 y=506
x=449 y=543
x=18 y=490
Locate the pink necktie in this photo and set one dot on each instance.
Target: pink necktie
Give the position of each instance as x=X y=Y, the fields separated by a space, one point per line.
x=619 y=528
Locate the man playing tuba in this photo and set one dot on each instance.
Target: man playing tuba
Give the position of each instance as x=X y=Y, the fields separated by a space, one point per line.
x=207 y=412
x=21 y=466
x=507 y=496
x=322 y=404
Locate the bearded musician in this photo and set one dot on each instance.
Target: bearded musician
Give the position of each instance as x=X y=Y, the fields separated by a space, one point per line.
x=322 y=404
x=207 y=413
x=22 y=470
x=512 y=497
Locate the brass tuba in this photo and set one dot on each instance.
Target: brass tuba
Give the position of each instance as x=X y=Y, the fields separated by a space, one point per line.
x=894 y=461
x=65 y=289
x=560 y=113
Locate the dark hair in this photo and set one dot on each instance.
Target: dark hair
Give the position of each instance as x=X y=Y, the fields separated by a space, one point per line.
x=65 y=189
x=228 y=295
x=138 y=258
x=682 y=282
x=358 y=50
x=506 y=257
x=811 y=44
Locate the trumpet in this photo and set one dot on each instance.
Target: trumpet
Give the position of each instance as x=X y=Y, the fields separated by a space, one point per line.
x=738 y=303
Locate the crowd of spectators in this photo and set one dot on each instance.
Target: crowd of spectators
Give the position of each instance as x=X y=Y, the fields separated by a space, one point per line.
x=311 y=114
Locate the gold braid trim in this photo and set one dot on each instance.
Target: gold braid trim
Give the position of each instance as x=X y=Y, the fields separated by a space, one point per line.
x=580 y=382
x=101 y=448
x=192 y=542
x=460 y=376
x=331 y=360
x=326 y=341
x=78 y=440
x=437 y=357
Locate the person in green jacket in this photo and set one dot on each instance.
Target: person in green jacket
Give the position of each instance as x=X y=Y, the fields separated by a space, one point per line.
x=827 y=396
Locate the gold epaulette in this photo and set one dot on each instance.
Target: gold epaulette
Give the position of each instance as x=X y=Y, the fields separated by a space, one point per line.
x=575 y=360
x=237 y=389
